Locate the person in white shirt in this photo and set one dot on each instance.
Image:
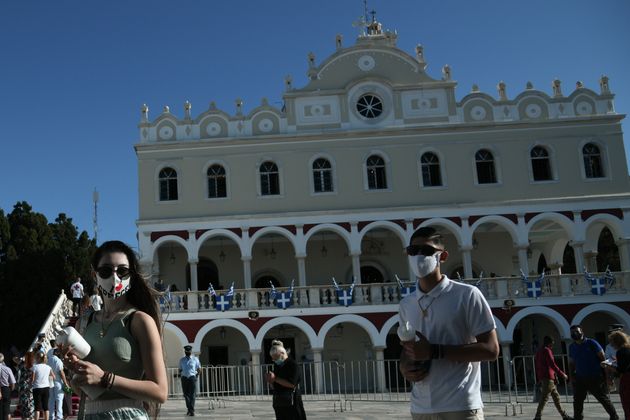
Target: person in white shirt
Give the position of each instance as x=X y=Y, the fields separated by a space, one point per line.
x=96 y=301
x=41 y=375
x=55 y=400
x=454 y=329
x=77 y=293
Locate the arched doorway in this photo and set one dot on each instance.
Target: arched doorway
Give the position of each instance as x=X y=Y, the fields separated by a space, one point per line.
x=265 y=281
x=207 y=273
x=607 y=252
x=371 y=274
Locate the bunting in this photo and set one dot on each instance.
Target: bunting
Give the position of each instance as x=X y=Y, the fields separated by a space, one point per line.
x=534 y=287
x=344 y=295
x=223 y=302
x=282 y=299
x=599 y=285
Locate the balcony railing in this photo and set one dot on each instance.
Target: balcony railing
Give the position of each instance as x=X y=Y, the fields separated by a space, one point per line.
x=495 y=289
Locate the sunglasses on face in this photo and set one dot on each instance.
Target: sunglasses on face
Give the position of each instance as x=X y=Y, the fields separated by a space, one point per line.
x=106 y=271
x=426 y=250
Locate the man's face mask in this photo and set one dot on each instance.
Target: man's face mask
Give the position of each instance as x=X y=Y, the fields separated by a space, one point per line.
x=577 y=335
x=423 y=259
x=113 y=283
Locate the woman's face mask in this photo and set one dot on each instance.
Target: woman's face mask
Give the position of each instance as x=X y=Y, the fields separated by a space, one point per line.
x=279 y=362
x=113 y=276
x=422 y=265
x=113 y=287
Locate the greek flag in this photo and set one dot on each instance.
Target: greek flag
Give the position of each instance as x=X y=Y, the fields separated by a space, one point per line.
x=344 y=296
x=534 y=287
x=223 y=302
x=405 y=290
x=283 y=299
x=600 y=284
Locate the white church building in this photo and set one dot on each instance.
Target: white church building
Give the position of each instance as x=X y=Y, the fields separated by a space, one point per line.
x=334 y=183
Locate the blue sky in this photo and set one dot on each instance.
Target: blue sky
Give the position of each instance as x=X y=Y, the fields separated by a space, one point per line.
x=73 y=74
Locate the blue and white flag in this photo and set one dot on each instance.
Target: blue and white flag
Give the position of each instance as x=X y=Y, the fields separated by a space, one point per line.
x=283 y=299
x=534 y=287
x=223 y=302
x=477 y=284
x=344 y=295
x=406 y=290
x=600 y=284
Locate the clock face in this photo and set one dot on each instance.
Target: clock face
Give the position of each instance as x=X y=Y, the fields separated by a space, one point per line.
x=584 y=108
x=213 y=129
x=533 y=111
x=366 y=63
x=265 y=125
x=478 y=113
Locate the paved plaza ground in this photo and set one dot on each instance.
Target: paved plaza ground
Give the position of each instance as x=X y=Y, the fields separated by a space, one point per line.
x=369 y=410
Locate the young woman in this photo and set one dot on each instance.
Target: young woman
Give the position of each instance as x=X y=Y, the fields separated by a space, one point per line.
x=285 y=380
x=25 y=386
x=125 y=367
x=621 y=343
x=40 y=378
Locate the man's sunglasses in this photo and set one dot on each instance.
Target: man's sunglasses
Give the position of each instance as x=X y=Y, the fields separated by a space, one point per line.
x=426 y=250
x=106 y=271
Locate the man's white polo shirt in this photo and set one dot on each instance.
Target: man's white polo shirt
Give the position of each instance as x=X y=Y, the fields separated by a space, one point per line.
x=455 y=313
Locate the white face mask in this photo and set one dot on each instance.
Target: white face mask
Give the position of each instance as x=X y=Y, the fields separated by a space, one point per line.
x=113 y=287
x=422 y=265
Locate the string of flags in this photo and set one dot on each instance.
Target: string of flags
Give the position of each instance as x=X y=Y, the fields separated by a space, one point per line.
x=344 y=294
x=534 y=287
x=406 y=290
x=223 y=301
x=599 y=285
x=282 y=299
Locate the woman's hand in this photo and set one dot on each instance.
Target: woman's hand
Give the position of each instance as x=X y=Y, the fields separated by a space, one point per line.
x=87 y=373
x=68 y=356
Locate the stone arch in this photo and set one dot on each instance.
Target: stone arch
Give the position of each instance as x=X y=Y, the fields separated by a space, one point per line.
x=385 y=224
x=615 y=311
x=505 y=223
x=558 y=320
x=225 y=322
x=172 y=238
x=218 y=232
x=594 y=225
x=177 y=331
x=560 y=219
x=273 y=229
x=502 y=334
x=289 y=320
x=449 y=225
x=388 y=326
x=328 y=227
x=362 y=322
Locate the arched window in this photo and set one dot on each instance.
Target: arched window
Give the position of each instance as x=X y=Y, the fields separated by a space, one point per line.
x=322 y=176
x=168 y=184
x=593 y=167
x=377 y=180
x=431 y=174
x=217 y=186
x=269 y=179
x=541 y=164
x=486 y=173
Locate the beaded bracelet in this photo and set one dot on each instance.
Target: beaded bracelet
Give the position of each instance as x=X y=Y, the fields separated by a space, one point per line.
x=106 y=379
x=437 y=351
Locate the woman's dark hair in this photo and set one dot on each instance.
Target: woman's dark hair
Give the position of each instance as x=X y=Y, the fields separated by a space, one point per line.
x=140 y=295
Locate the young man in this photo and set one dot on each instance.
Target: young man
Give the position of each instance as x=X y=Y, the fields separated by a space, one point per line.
x=546 y=374
x=585 y=372
x=189 y=370
x=77 y=294
x=455 y=330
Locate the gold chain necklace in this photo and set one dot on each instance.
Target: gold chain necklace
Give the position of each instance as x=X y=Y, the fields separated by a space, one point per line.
x=425 y=311
x=104 y=329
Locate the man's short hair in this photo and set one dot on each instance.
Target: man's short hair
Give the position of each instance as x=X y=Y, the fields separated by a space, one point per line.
x=615 y=327
x=52 y=343
x=547 y=340
x=1 y=357
x=574 y=326
x=430 y=234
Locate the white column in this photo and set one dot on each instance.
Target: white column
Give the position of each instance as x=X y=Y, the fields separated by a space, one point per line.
x=301 y=263
x=356 y=267
x=247 y=271
x=578 y=252
x=624 y=253
x=507 y=364
x=318 y=370
x=523 y=260
x=194 y=284
x=256 y=372
x=467 y=262
x=380 y=368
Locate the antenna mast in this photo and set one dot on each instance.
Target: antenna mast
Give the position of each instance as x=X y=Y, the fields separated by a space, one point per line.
x=95 y=217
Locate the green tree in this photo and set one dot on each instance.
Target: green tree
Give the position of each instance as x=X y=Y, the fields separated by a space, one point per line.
x=40 y=261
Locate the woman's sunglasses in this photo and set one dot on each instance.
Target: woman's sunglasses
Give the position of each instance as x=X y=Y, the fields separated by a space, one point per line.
x=426 y=250
x=106 y=271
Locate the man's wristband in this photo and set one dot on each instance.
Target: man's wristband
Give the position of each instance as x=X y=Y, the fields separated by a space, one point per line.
x=437 y=351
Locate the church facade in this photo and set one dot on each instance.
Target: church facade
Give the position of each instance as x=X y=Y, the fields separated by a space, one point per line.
x=333 y=185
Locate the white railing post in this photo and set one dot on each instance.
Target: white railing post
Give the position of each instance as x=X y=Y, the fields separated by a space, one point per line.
x=193 y=304
x=318 y=370
x=256 y=372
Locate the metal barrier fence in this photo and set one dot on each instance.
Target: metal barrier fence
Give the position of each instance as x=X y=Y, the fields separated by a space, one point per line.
x=365 y=380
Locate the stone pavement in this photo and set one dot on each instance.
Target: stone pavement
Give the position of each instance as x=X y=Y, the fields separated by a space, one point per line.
x=358 y=410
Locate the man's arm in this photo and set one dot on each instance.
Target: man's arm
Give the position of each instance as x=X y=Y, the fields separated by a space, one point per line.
x=485 y=349
x=551 y=362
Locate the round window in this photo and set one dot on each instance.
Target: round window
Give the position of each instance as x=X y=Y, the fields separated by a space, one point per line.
x=370 y=106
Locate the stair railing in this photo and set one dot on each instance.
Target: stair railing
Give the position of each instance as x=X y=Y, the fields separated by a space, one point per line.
x=54 y=323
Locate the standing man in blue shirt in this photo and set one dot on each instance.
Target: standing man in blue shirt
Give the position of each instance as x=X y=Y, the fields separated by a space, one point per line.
x=189 y=366
x=586 y=374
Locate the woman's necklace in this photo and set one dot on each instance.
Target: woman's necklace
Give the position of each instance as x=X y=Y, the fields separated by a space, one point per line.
x=104 y=329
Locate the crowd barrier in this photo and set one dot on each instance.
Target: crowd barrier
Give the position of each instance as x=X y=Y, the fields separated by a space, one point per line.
x=365 y=380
